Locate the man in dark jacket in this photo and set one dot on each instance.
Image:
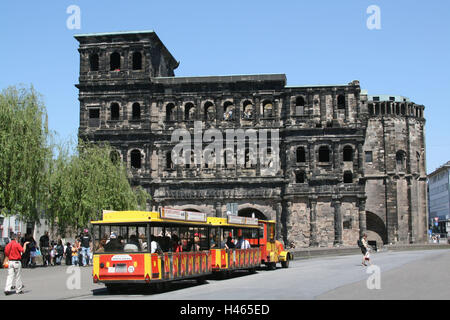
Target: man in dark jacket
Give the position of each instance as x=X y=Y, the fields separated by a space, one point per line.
x=44 y=244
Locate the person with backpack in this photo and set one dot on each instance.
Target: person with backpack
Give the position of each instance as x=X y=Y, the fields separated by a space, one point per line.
x=59 y=252
x=364 y=246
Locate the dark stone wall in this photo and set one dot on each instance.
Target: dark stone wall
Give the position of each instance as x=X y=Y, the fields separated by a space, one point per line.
x=309 y=198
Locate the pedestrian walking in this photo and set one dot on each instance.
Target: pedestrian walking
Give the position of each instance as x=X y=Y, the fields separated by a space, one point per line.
x=33 y=252
x=86 y=240
x=14 y=251
x=362 y=243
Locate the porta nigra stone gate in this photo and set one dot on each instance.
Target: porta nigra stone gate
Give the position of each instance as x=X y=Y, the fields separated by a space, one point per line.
x=349 y=162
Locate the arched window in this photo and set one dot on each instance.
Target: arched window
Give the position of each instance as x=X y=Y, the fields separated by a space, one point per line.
x=170 y=112
x=341 y=101
x=210 y=112
x=189 y=111
x=135 y=156
x=228 y=109
x=324 y=154
x=115 y=111
x=371 y=112
x=114 y=61
x=300 y=153
x=191 y=161
x=137 y=60
x=247 y=110
x=348 y=177
x=169 y=163
x=348 y=153
x=249 y=159
x=300 y=106
x=400 y=159
x=267 y=109
x=93 y=61
x=136 y=111
x=418 y=162
x=300 y=177
x=403 y=109
x=228 y=158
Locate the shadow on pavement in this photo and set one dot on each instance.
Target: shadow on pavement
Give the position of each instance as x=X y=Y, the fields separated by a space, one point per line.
x=142 y=289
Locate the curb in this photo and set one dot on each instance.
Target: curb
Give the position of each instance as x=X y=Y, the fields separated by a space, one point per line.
x=330 y=252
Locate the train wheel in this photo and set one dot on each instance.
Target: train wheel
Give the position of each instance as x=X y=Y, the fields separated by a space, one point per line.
x=285 y=264
x=271 y=266
x=201 y=280
x=160 y=287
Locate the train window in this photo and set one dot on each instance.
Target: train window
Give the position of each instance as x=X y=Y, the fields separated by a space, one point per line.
x=261 y=232
x=110 y=238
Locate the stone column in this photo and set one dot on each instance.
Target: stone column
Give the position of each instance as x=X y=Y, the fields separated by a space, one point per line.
x=338 y=229
x=278 y=231
x=313 y=223
x=362 y=216
x=218 y=209
x=412 y=209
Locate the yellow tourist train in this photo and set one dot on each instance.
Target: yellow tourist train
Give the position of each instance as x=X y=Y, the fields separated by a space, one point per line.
x=153 y=248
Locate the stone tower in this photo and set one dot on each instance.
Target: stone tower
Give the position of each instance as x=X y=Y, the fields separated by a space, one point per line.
x=395 y=169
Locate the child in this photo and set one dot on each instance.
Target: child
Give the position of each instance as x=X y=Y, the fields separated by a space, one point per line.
x=75 y=249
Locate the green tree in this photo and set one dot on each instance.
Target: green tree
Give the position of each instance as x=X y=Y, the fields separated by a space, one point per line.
x=89 y=181
x=24 y=153
x=67 y=184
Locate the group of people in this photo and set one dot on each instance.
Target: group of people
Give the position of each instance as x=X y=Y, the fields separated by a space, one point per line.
x=54 y=251
x=136 y=243
x=78 y=253
x=21 y=252
x=230 y=243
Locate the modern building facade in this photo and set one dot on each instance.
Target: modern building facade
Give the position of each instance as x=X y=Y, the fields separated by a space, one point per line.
x=439 y=198
x=336 y=161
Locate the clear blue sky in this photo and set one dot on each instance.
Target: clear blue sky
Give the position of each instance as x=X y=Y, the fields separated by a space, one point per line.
x=312 y=42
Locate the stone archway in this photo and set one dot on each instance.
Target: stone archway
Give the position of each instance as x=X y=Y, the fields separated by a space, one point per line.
x=247 y=212
x=376 y=228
